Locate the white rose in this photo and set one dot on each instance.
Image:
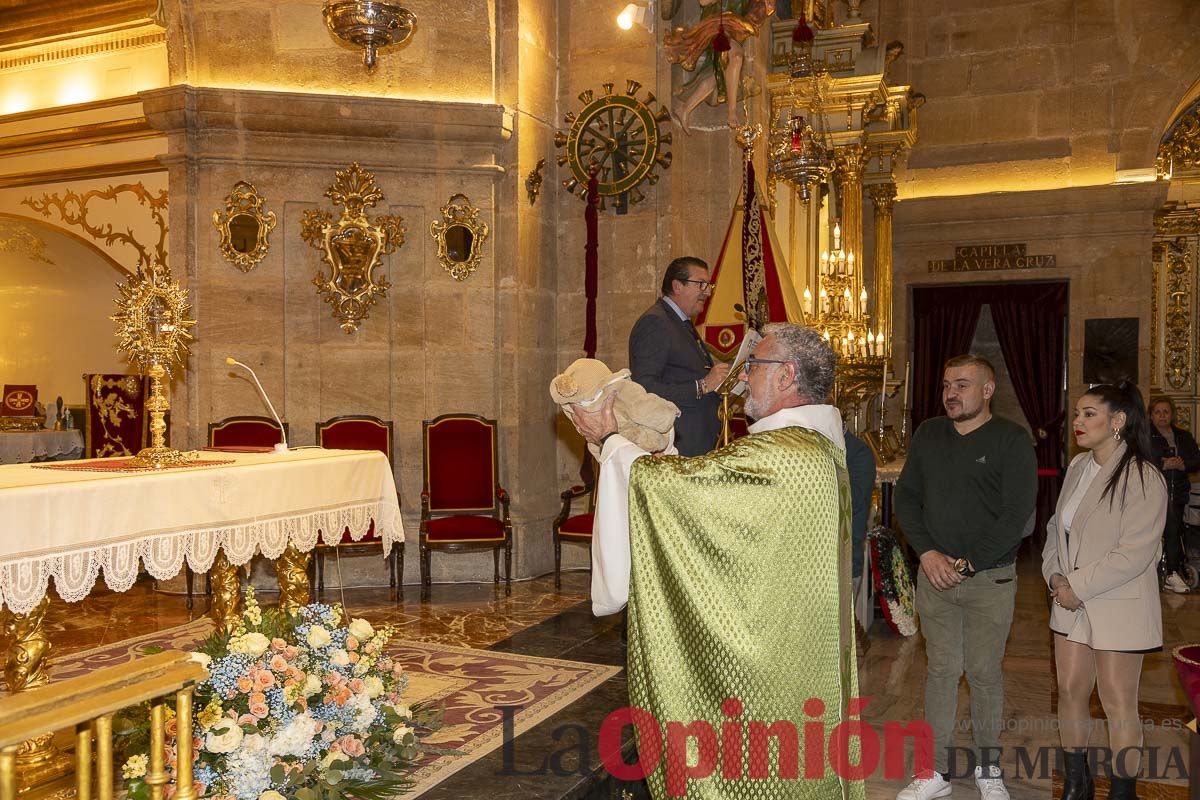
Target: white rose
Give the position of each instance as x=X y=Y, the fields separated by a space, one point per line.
x=312 y=685
x=254 y=743
x=402 y=711
x=224 y=737
x=318 y=637
x=340 y=657
x=361 y=629
x=400 y=733
x=373 y=687
x=271 y=794
x=252 y=644
x=203 y=659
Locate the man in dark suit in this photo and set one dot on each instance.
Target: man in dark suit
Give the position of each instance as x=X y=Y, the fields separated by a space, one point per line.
x=667 y=357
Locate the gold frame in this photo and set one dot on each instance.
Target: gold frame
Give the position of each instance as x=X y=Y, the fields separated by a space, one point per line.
x=459 y=211
x=352 y=287
x=244 y=200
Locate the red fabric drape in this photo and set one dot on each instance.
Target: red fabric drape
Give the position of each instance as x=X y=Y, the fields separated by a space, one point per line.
x=591 y=268
x=1030 y=324
x=944 y=320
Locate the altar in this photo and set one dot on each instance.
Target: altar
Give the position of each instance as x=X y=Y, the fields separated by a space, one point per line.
x=73 y=520
x=22 y=447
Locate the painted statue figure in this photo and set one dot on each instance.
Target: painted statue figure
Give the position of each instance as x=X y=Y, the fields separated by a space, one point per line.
x=713 y=51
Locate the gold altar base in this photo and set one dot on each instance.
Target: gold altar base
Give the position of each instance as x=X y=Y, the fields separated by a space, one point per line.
x=38 y=761
x=160 y=457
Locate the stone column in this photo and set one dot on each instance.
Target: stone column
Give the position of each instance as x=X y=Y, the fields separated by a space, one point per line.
x=883 y=197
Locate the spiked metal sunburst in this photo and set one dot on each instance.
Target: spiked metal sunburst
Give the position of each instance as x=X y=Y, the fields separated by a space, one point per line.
x=618 y=135
x=152 y=329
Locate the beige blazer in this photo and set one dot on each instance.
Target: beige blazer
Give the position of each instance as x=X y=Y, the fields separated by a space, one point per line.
x=1111 y=560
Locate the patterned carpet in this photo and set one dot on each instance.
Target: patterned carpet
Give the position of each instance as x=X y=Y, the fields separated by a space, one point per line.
x=470 y=685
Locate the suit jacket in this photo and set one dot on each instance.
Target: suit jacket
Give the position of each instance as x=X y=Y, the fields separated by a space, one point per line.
x=667 y=358
x=1111 y=559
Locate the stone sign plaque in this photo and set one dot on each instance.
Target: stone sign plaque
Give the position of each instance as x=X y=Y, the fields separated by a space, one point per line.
x=986 y=257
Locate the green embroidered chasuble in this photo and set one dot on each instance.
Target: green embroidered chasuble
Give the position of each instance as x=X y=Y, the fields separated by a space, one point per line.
x=740 y=588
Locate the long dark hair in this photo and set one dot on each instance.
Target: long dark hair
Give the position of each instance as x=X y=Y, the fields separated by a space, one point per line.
x=1135 y=434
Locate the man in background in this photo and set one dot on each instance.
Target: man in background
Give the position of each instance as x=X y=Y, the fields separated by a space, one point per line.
x=965 y=495
x=668 y=359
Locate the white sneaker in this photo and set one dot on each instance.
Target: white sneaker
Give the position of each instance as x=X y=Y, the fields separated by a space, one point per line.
x=1176 y=584
x=926 y=787
x=991 y=787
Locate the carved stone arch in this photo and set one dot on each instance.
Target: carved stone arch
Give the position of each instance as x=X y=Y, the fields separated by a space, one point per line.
x=45 y=225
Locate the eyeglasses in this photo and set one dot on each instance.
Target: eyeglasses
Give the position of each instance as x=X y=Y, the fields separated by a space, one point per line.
x=752 y=360
x=704 y=285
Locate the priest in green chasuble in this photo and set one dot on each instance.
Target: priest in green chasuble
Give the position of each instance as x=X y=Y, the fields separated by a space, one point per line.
x=736 y=569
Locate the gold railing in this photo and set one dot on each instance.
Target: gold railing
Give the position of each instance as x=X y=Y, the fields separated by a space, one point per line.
x=88 y=704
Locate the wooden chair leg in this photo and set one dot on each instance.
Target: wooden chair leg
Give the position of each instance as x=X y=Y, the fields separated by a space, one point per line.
x=320 y=571
x=189 y=578
x=425 y=579
x=399 y=554
x=507 y=567
x=557 y=563
x=496 y=560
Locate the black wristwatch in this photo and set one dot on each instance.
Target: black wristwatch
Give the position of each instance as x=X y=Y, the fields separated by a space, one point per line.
x=963 y=567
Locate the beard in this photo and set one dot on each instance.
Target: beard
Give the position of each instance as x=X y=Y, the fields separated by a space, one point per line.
x=755 y=406
x=963 y=414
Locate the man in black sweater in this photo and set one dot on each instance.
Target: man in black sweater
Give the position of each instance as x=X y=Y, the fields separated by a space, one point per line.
x=967 y=490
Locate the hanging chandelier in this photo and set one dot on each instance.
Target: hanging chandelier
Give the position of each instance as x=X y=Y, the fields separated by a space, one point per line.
x=800 y=150
x=841 y=317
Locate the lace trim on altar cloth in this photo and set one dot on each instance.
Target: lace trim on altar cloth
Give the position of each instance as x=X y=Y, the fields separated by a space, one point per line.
x=24 y=583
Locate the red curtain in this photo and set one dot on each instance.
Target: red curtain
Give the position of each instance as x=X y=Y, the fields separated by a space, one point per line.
x=944 y=320
x=1031 y=326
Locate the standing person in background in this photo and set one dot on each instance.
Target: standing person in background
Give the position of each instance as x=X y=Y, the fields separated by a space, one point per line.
x=1102 y=549
x=1175 y=455
x=668 y=359
x=963 y=500
x=860 y=464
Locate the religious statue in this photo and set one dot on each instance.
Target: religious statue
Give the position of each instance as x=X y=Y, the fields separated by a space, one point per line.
x=713 y=50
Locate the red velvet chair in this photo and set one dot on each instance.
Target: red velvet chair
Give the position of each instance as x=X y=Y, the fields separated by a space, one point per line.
x=463 y=506
x=360 y=432
x=575 y=529
x=246 y=431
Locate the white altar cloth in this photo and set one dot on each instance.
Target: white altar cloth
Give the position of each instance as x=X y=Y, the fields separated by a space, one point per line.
x=68 y=525
x=22 y=447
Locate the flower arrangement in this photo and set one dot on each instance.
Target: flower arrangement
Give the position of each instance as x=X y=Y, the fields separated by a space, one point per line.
x=303 y=706
x=893 y=580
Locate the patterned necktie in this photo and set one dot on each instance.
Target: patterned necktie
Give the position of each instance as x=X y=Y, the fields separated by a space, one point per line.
x=699 y=343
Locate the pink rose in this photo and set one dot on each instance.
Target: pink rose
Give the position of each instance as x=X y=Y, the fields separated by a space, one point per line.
x=352 y=746
x=258 y=697
x=245 y=684
x=247 y=719
x=278 y=644
x=290 y=652
x=351 y=643
x=356 y=685
x=264 y=680
x=260 y=710
x=279 y=664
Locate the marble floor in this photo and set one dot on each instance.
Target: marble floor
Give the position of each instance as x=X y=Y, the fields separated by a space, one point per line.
x=538 y=620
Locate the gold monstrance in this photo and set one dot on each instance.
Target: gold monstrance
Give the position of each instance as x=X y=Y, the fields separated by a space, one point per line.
x=152 y=319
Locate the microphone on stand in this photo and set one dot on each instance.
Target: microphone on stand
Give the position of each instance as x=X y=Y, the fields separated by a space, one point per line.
x=282 y=445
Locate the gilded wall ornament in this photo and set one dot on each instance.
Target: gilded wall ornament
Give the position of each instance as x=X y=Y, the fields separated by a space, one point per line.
x=533 y=181
x=244 y=227
x=1179 y=151
x=1177 y=358
x=16 y=237
x=353 y=246
x=618 y=134
x=73 y=208
x=460 y=237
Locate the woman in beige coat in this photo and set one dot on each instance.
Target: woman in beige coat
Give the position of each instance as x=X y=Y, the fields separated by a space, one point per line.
x=1100 y=562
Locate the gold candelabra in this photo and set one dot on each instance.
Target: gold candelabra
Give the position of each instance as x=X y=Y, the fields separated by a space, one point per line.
x=152 y=319
x=841 y=317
